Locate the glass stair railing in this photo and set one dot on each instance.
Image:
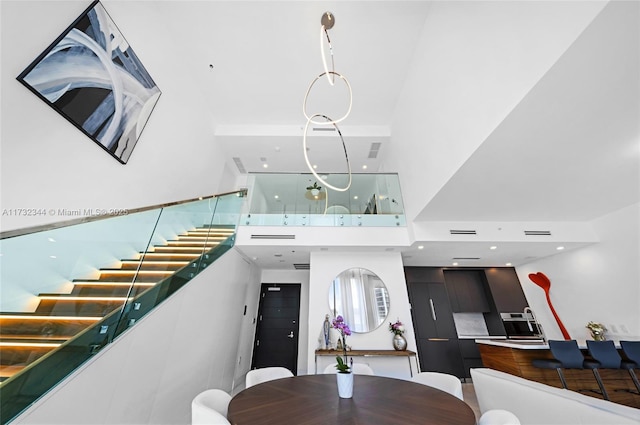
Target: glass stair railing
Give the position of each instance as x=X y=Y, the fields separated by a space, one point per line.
x=52 y=321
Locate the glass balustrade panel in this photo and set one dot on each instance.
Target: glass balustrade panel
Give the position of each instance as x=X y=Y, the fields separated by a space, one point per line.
x=67 y=292
x=303 y=200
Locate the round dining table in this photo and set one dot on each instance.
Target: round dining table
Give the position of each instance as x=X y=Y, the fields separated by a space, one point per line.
x=313 y=399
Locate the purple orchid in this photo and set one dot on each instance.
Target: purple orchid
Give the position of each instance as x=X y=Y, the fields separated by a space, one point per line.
x=339 y=324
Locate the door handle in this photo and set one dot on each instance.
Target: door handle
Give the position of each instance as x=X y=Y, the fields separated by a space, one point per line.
x=290 y=335
x=433 y=310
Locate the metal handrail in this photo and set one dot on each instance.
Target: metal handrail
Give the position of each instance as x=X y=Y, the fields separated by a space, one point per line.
x=80 y=220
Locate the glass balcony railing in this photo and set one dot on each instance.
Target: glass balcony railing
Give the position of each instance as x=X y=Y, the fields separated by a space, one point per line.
x=67 y=292
x=302 y=200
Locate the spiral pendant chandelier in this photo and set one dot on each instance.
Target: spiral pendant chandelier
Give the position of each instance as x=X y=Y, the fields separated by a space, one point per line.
x=327 y=22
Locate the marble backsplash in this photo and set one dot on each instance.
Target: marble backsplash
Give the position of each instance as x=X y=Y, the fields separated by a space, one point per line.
x=470 y=324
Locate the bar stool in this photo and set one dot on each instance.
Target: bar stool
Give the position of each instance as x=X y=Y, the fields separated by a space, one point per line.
x=567 y=355
x=551 y=364
x=607 y=355
x=631 y=349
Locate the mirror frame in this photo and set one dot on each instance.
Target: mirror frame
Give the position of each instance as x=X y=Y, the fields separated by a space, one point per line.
x=364 y=285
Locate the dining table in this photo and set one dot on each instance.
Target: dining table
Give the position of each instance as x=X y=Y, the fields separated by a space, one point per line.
x=314 y=400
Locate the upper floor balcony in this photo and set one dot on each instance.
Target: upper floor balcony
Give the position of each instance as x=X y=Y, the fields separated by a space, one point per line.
x=371 y=200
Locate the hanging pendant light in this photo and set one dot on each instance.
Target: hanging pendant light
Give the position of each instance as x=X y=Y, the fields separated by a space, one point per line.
x=327 y=22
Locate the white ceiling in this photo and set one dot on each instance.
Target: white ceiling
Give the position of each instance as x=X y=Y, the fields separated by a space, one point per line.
x=568 y=152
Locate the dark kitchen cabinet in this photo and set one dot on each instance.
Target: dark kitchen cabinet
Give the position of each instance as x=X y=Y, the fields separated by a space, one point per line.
x=470 y=355
x=506 y=289
x=435 y=330
x=467 y=291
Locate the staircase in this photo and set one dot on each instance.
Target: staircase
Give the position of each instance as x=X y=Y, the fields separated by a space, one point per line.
x=27 y=337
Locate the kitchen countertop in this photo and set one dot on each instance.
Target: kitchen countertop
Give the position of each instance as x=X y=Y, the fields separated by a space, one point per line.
x=496 y=337
x=531 y=345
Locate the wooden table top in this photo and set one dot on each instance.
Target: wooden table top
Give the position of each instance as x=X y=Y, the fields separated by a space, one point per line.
x=313 y=399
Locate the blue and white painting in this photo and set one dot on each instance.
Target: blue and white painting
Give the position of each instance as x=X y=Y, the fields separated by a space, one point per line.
x=92 y=77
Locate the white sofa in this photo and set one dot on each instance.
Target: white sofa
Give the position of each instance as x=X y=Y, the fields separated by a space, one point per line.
x=535 y=403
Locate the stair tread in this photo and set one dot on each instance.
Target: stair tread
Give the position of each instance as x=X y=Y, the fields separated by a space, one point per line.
x=61 y=316
x=26 y=339
x=37 y=316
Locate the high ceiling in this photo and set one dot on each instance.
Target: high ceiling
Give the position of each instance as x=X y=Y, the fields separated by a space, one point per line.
x=568 y=151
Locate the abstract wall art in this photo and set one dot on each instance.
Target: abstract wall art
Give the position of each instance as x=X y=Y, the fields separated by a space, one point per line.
x=92 y=77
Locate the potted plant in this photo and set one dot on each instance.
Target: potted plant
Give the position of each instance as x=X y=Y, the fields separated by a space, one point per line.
x=315 y=189
x=344 y=375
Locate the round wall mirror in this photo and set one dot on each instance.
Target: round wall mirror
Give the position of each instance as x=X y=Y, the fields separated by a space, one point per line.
x=361 y=297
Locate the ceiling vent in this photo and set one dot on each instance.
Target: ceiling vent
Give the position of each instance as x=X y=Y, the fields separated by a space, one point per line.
x=324 y=129
x=462 y=232
x=239 y=164
x=302 y=266
x=374 y=150
x=273 y=236
x=465 y=258
x=537 y=232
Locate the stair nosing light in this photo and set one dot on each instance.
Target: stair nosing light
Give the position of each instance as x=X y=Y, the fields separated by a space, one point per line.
x=18 y=317
x=73 y=298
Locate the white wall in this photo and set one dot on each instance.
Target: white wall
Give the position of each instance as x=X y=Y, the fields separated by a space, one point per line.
x=325 y=266
x=598 y=283
x=152 y=372
x=444 y=111
x=47 y=163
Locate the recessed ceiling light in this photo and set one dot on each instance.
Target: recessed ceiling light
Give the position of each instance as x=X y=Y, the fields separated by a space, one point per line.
x=507 y=264
x=455 y=264
x=51 y=240
x=276 y=196
x=52 y=256
x=364 y=167
x=315 y=166
x=493 y=247
x=355 y=197
x=560 y=248
x=277 y=148
x=420 y=246
x=265 y=165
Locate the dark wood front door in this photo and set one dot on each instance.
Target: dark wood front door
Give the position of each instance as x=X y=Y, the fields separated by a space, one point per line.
x=276 y=342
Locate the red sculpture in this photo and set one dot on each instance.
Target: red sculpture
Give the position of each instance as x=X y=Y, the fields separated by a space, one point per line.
x=543 y=281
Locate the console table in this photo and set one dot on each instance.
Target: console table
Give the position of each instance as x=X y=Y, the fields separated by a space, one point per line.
x=371 y=353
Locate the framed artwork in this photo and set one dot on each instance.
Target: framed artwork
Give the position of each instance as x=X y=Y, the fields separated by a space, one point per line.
x=92 y=77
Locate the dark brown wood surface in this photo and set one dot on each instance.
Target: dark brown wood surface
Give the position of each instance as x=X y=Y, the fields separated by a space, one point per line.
x=313 y=399
x=365 y=353
x=517 y=362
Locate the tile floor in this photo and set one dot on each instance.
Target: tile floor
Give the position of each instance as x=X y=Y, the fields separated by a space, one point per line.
x=469 y=395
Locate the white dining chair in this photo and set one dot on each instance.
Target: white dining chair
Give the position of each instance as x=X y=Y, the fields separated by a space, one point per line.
x=441 y=381
x=257 y=376
x=357 y=369
x=210 y=407
x=498 y=417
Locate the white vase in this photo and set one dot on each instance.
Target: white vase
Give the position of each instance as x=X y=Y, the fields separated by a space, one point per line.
x=345 y=384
